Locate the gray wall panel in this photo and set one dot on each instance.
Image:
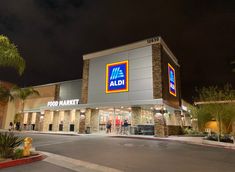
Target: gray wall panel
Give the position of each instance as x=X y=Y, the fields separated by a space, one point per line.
x=140 y=76
x=140 y=84
x=140 y=52
x=71 y=90
x=141 y=62
x=140 y=73
x=140 y=95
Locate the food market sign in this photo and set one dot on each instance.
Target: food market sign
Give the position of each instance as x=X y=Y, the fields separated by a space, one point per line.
x=63 y=103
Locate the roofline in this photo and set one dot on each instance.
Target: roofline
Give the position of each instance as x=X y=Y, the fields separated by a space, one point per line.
x=139 y=44
x=54 y=83
x=214 y=102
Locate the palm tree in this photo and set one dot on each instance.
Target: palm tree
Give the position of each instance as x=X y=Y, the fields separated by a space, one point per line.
x=10 y=56
x=5 y=94
x=22 y=94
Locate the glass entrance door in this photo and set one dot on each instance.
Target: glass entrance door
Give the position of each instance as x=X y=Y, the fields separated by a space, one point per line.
x=116 y=116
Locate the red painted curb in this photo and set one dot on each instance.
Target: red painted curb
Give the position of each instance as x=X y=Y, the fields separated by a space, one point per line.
x=16 y=162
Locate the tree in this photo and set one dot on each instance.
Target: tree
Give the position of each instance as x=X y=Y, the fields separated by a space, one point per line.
x=10 y=56
x=5 y=94
x=217 y=103
x=23 y=94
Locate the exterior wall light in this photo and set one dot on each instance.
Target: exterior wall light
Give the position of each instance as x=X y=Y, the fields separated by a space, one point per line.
x=83 y=110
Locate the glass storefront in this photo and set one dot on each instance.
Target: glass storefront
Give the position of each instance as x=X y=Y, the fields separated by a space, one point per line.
x=115 y=116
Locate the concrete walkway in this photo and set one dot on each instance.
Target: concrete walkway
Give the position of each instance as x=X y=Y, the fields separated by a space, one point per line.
x=75 y=164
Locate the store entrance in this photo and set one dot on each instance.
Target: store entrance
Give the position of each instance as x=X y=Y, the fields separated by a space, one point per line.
x=114 y=116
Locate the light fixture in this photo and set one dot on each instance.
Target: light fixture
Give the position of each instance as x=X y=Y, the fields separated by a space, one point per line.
x=83 y=110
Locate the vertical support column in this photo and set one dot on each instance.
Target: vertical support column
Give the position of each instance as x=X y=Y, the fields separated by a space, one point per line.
x=61 y=120
x=94 y=120
x=135 y=115
x=66 y=120
x=37 y=121
x=33 y=120
x=87 y=118
x=178 y=118
x=46 y=120
x=77 y=121
x=159 y=125
x=55 y=121
x=25 y=121
x=72 y=117
x=85 y=76
x=29 y=121
x=157 y=71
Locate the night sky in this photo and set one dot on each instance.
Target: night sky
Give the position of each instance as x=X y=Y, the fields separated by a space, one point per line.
x=53 y=35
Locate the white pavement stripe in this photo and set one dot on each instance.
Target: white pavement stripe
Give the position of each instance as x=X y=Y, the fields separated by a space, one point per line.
x=76 y=165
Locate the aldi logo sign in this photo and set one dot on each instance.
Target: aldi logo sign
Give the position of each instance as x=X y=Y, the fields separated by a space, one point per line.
x=172 y=81
x=117 y=77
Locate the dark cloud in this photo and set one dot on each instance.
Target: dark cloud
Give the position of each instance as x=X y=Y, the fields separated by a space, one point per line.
x=53 y=35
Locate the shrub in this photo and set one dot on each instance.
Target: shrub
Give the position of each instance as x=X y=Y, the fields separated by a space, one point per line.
x=8 y=143
x=223 y=138
x=18 y=154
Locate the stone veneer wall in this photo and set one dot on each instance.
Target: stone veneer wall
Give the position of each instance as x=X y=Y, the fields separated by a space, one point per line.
x=174 y=130
x=37 y=122
x=29 y=120
x=55 y=125
x=77 y=120
x=85 y=75
x=66 y=120
x=136 y=115
x=157 y=71
x=94 y=120
x=57 y=92
x=85 y=122
x=160 y=127
x=46 y=120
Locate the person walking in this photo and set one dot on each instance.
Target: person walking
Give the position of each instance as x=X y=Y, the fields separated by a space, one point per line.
x=125 y=126
x=108 y=126
x=11 y=126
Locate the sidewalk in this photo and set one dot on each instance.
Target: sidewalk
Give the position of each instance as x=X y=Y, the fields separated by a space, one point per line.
x=182 y=139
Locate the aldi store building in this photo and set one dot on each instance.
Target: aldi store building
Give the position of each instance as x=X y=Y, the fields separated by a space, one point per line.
x=138 y=82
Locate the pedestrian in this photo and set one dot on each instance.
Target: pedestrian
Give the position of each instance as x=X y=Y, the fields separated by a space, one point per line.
x=108 y=126
x=11 y=126
x=125 y=126
x=18 y=126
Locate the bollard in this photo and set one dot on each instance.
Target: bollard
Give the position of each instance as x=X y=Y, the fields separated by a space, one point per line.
x=27 y=146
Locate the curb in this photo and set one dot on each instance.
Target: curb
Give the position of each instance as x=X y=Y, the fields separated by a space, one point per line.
x=179 y=141
x=22 y=161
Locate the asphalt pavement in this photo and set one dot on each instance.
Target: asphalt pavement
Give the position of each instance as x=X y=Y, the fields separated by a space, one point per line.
x=130 y=155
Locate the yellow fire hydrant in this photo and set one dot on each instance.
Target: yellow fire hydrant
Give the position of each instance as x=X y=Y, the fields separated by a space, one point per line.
x=27 y=146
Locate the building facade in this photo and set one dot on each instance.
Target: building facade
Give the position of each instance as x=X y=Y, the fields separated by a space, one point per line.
x=138 y=83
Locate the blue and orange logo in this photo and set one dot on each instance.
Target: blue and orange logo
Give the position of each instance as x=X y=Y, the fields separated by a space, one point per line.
x=172 y=81
x=117 y=77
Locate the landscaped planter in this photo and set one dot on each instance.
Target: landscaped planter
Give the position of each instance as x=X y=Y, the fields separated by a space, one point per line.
x=25 y=160
x=221 y=144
